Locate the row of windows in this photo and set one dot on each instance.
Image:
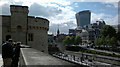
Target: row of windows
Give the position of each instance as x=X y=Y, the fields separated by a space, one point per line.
x=19 y=28
x=36 y=27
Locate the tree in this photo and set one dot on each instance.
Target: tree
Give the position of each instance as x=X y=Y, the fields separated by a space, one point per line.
x=102 y=40
x=72 y=40
x=113 y=41
x=78 y=40
x=108 y=36
x=118 y=36
x=66 y=41
x=107 y=40
x=97 y=42
x=108 y=30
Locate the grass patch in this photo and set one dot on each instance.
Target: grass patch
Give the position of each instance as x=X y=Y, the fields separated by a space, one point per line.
x=77 y=49
x=99 y=53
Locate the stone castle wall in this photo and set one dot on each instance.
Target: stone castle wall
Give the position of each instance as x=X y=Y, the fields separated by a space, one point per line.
x=0 y=29
x=5 y=26
x=38 y=27
x=19 y=22
x=19 y=25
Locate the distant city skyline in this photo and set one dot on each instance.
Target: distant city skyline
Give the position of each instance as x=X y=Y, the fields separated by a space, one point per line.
x=62 y=12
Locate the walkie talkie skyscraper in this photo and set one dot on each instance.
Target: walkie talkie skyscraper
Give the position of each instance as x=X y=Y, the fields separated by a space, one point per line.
x=83 y=18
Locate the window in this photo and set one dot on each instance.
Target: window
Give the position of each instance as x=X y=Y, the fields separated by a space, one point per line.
x=30 y=37
x=19 y=28
x=33 y=27
x=30 y=27
x=37 y=27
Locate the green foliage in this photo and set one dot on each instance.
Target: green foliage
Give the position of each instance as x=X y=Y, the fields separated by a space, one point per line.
x=113 y=41
x=107 y=36
x=97 y=41
x=107 y=40
x=71 y=40
x=99 y=53
x=78 y=40
x=118 y=36
x=67 y=40
x=100 y=41
x=108 y=30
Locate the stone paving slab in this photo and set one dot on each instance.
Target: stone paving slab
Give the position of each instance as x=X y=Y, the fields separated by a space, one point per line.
x=35 y=57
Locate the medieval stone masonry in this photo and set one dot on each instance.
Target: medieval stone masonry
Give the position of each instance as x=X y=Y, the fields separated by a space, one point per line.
x=29 y=30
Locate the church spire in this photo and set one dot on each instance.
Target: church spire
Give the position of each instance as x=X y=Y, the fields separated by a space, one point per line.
x=58 y=32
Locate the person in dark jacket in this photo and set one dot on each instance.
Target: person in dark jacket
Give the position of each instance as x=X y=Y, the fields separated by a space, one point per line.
x=7 y=53
x=16 y=55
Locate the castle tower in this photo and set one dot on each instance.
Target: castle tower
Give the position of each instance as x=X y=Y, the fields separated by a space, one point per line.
x=19 y=23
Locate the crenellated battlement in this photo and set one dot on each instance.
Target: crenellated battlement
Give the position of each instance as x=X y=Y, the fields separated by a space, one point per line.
x=19 y=8
x=37 y=23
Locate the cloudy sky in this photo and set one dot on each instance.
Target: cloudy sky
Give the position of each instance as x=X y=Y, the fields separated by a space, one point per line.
x=62 y=12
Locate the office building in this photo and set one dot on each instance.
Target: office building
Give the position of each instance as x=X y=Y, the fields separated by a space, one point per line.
x=83 y=18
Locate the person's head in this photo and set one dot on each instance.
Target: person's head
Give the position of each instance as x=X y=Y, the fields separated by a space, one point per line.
x=14 y=43
x=10 y=41
x=18 y=43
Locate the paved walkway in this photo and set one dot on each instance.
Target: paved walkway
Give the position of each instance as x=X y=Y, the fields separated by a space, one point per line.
x=34 y=57
x=1 y=62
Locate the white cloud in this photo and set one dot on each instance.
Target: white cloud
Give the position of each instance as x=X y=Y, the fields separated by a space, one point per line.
x=4 y=9
x=66 y=15
x=2 y=2
x=59 y=12
x=63 y=27
x=94 y=0
x=66 y=20
x=44 y=2
x=113 y=2
x=110 y=20
x=95 y=17
x=38 y=10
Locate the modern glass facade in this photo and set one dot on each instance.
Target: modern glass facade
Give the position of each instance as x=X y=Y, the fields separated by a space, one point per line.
x=83 y=18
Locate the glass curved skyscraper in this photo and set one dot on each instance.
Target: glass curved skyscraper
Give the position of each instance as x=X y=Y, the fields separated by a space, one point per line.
x=83 y=18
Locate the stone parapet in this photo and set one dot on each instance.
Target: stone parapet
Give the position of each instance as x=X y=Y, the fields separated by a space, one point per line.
x=19 y=8
x=37 y=23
